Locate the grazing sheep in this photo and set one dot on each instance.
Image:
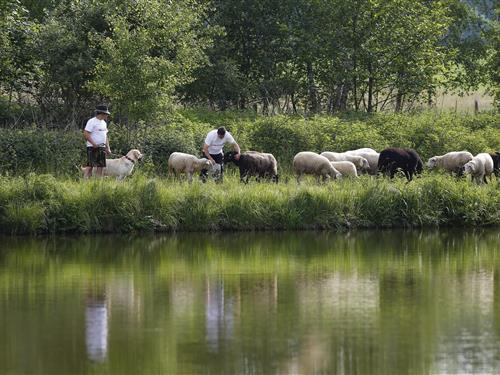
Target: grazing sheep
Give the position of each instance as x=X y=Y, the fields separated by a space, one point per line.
x=307 y=162
x=346 y=168
x=452 y=162
x=253 y=163
x=365 y=150
x=370 y=155
x=179 y=162
x=406 y=159
x=495 y=156
x=480 y=167
x=360 y=162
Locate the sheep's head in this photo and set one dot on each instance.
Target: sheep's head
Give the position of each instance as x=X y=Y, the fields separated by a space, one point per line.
x=334 y=173
x=469 y=168
x=364 y=164
x=420 y=166
x=229 y=156
x=207 y=164
x=431 y=163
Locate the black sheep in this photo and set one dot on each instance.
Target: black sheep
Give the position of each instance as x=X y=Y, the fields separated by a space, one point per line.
x=253 y=163
x=394 y=158
x=496 y=163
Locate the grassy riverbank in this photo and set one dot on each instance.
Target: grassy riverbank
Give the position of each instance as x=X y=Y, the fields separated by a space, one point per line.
x=44 y=204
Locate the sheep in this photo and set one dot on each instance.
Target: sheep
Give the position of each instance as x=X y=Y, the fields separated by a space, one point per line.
x=452 y=162
x=346 y=168
x=179 y=162
x=365 y=150
x=360 y=162
x=370 y=155
x=480 y=167
x=495 y=156
x=253 y=163
x=404 y=158
x=307 y=162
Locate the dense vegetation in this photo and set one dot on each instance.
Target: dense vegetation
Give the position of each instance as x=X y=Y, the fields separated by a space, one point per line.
x=61 y=57
x=58 y=152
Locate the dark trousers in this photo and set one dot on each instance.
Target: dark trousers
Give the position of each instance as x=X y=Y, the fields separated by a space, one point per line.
x=219 y=159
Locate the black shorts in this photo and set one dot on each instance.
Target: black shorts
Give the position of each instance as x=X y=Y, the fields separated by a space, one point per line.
x=96 y=157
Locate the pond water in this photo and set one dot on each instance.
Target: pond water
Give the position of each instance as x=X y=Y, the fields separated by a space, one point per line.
x=376 y=302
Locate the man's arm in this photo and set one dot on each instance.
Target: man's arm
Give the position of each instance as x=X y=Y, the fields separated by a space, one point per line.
x=87 y=136
x=236 y=148
x=108 y=150
x=207 y=154
x=237 y=151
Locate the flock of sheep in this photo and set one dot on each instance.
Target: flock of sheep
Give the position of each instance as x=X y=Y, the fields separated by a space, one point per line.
x=345 y=164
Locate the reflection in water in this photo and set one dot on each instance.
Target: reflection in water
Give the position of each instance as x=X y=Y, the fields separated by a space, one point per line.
x=96 y=327
x=390 y=302
x=219 y=314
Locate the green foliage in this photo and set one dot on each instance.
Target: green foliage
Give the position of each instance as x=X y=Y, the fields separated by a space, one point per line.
x=60 y=58
x=38 y=203
x=44 y=152
x=428 y=132
x=154 y=46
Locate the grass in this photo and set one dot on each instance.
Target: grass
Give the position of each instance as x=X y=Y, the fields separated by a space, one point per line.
x=43 y=204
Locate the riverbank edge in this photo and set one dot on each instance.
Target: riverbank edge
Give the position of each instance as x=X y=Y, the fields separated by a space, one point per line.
x=36 y=204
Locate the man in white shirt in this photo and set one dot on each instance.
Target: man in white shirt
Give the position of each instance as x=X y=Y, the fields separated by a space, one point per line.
x=212 y=149
x=96 y=134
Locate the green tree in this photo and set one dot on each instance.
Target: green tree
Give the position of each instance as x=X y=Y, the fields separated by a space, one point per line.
x=17 y=64
x=154 y=46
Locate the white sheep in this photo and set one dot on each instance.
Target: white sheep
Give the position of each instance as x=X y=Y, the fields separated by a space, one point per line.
x=370 y=155
x=346 y=168
x=307 y=162
x=365 y=150
x=360 y=162
x=179 y=162
x=479 y=167
x=450 y=162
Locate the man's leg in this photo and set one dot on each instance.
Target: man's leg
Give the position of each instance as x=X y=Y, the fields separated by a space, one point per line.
x=87 y=173
x=100 y=161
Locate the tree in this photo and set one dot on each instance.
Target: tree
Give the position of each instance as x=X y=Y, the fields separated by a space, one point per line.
x=154 y=46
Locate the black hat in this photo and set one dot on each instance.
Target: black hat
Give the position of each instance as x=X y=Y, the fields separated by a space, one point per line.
x=102 y=109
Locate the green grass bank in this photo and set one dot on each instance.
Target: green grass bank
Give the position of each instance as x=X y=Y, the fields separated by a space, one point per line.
x=43 y=204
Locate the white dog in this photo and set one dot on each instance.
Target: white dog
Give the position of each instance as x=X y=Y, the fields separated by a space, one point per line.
x=121 y=167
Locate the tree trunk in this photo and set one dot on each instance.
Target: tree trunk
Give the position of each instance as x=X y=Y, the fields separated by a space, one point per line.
x=399 y=101
x=369 y=108
x=294 y=105
x=313 y=91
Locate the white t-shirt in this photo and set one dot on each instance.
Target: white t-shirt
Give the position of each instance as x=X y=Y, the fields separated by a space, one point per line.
x=98 y=130
x=215 y=144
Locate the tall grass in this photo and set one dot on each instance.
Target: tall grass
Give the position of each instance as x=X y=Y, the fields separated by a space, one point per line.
x=44 y=204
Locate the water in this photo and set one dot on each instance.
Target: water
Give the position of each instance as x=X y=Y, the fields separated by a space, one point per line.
x=375 y=302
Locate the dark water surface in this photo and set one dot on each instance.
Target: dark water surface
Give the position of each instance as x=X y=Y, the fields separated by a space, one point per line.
x=374 y=302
